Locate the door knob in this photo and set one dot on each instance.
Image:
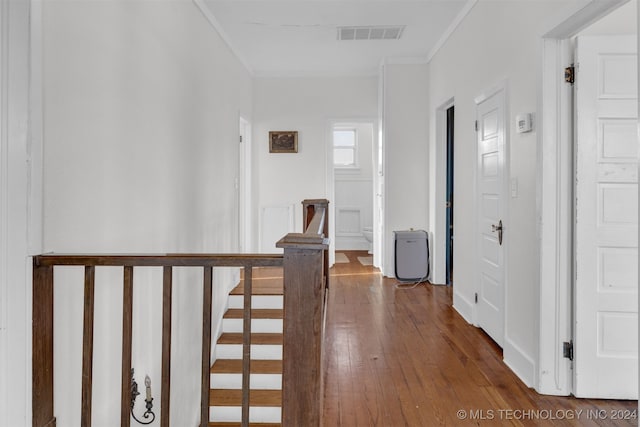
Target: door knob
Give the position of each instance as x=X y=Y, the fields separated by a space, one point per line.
x=498 y=228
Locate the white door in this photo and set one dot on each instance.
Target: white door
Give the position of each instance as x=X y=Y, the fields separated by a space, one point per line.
x=490 y=210
x=606 y=233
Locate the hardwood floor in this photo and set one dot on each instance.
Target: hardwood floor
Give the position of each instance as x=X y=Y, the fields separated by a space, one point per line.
x=404 y=357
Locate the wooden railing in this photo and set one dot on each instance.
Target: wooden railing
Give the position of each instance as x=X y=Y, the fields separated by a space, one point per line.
x=305 y=272
x=304 y=290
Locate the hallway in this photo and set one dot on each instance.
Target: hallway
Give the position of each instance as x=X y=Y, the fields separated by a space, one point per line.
x=404 y=357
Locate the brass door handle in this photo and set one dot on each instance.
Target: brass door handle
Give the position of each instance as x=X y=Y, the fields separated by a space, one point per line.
x=498 y=228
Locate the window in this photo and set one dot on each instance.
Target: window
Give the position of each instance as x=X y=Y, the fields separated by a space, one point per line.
x=344 y=148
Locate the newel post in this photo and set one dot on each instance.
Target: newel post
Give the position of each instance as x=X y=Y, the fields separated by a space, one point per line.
x=42 y=336
x=303 y=325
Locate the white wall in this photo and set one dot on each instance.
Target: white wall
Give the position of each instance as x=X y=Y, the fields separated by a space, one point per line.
x=354 y=192
x=141 y=111
x=498 y=41
x=406 y=155
x=308 y=105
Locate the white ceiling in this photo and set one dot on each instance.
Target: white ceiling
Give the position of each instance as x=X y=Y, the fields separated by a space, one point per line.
x=299 y=37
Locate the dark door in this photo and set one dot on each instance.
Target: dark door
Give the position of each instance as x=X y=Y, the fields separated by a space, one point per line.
x=449 y=197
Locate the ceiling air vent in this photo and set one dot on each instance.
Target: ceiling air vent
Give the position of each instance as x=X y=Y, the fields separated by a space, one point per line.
x=370 y=33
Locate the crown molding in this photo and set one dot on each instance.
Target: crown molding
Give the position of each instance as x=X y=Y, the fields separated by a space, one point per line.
x=449 y=31
x=201 y=4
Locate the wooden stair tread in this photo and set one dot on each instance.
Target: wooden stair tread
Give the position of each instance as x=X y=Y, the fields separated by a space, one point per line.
x=261 y=287
x=234 y=366
x=225 y=424
x=256 y=313
x=226 y=397
x=258 y=338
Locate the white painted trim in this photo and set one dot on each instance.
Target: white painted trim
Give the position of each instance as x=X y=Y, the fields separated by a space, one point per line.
x=464 y=307
x=519 y=362
x=379 y=238
x=35 y=183
x=555 y=213
x=438 y=252
x=16 y=212
x=492 y=90
x=330 y=190
x=35 y=150
x=580 y=17
x=330 y=173
x=208 y=14
x=450 y=30
x=555 y=199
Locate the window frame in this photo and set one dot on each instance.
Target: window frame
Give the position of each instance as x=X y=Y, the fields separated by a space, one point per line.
x=355 y=164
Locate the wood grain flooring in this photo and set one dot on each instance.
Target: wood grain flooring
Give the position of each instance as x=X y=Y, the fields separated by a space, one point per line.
x=404 y=357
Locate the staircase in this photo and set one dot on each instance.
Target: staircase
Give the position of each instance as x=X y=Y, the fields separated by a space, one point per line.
x=225 y=397
x=279 y=375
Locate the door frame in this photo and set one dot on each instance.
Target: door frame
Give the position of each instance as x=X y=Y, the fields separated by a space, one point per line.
x=554 y=183
x=244 y=186
x=503 y=87
x=331 y=182
x=439 y=189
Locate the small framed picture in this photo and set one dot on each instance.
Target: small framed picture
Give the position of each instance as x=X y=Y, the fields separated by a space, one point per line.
x=283 y=141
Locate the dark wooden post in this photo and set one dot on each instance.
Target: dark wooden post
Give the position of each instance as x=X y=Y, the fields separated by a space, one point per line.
x=205 y=379
x=127 y=344
x=42 y=336
x=165 y=396
x=303 y=324
x=87 y=345
x=309 y=208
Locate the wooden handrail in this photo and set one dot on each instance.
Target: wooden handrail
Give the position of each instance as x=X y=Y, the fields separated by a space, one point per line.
x=312 y=209
x=159 y=260
x=304 y=262
x=316 y=226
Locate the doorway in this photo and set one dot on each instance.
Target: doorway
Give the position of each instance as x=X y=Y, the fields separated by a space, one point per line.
x=442 y=247
x=353 y=178
x=449 y=198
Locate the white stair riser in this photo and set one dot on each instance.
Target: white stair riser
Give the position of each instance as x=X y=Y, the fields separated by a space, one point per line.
x=257 y=414
x=258 y=351
x=258 y=381
x=257 y=325
x=257 y=301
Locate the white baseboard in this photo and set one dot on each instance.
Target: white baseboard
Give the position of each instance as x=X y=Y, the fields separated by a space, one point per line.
x=463 y=306
x=519 y=362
